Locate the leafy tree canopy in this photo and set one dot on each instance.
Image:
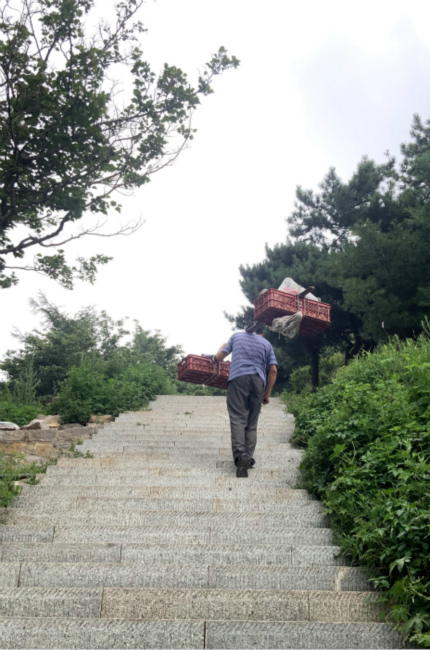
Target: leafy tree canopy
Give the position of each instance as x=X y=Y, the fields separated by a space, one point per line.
x=69 y=137
x=364 y=245
x=88 y=364
x=65 y=342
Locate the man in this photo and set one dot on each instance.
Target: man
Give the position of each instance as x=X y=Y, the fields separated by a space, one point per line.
x=253 y=359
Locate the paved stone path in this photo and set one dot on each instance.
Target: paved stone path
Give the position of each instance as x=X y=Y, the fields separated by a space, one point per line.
x=154 y=543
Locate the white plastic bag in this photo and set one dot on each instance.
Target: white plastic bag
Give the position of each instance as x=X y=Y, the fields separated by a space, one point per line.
x=289 y=286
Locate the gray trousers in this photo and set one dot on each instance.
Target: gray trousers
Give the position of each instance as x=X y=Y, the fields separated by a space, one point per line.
x=244 y=396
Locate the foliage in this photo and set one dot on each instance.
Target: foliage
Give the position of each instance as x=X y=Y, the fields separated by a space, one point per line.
x=376 y=228
x=89 y=365
x=305 y=263
x=14 y=468
x=18 y=414
x=65 y=342
x=77 y=453
x=184 y=388
x=367 y=440
x=83 y=118
x=363 y=245
x=300 y=378
x=89 y=392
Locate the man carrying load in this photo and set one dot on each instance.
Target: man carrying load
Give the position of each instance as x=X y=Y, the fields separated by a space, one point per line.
x=253 y=372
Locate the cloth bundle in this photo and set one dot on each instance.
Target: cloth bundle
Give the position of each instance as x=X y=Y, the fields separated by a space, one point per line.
x=287 y=325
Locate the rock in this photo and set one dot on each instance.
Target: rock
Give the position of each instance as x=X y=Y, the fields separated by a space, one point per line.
x=43 y=449
x=73 y=434
x=32 y=458
x=71 y=425
x=11 y=447
x=8 y=426
x=43 y=422
x=34 y=425
x=42 y=435
x=11 y=435
x=96 y=419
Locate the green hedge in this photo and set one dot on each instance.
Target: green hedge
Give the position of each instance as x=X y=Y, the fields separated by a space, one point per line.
x=89 y=391
x=20 y=415
x=367 y=440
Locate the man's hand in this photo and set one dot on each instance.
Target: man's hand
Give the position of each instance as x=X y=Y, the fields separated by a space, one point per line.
x=273 y=371
x=220 y=355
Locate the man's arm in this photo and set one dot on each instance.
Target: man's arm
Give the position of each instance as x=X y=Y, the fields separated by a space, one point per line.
x=271 y=379
x=220 y=355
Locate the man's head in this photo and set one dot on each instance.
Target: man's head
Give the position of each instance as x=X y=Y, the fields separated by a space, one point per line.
x=255 y=327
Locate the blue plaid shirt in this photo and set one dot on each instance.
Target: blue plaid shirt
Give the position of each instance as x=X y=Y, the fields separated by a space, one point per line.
x=252 y=355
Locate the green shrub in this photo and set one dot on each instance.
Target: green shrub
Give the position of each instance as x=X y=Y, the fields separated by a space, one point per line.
x=20 y=415
x=88 y=391
x=14 y=468
x=367 y=439
x=300 y=381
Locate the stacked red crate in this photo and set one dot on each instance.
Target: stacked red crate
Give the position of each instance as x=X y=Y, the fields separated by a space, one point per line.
x=273 y=304
x=201 y=370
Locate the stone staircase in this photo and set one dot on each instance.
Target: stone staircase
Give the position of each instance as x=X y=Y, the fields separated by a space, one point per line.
x=154 y=543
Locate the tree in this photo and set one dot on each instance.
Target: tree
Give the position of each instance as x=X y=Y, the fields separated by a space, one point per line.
x=306 y=263
x=377 y=230
x=66 y=341
x=364 y=245
x=68 y=143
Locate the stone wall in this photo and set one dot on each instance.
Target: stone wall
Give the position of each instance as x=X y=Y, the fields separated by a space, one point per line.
x=42 y=444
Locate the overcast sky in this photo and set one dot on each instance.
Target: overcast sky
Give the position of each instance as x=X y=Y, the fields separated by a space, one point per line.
x=320 y=84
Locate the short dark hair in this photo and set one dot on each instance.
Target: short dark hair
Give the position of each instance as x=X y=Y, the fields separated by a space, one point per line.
x=255 y=327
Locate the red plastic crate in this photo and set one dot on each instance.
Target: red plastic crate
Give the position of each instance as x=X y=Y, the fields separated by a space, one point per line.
x=273 y=304
x=200 y=370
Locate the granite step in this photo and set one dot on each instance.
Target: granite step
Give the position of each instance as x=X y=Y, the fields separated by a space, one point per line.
x=298 y=635
x=53 y=505
x=20 y=534
x=51 y=602
x=154 y=543
x=183 y=437
x=177 y=604
x=183 y=471
x=193 y=444
x=75 y=633
x=49 y=552
x=9 y=574
x=127 y=479
x=180 y=535
x=210 y=554
x=133 y=634
x=234 y=491
x=226 y=554
x=153 y=469
x=145 y=459
x=197 y=576
x=213 y=520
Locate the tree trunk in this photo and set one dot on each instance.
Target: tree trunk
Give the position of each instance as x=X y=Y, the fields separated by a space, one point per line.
x=354 y=348
x=314 y=354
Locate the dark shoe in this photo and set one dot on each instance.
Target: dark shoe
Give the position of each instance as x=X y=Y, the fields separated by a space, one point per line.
x=243 y=465
x=251 y=463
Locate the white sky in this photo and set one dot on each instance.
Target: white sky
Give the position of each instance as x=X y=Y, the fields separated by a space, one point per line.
x=320 y=84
